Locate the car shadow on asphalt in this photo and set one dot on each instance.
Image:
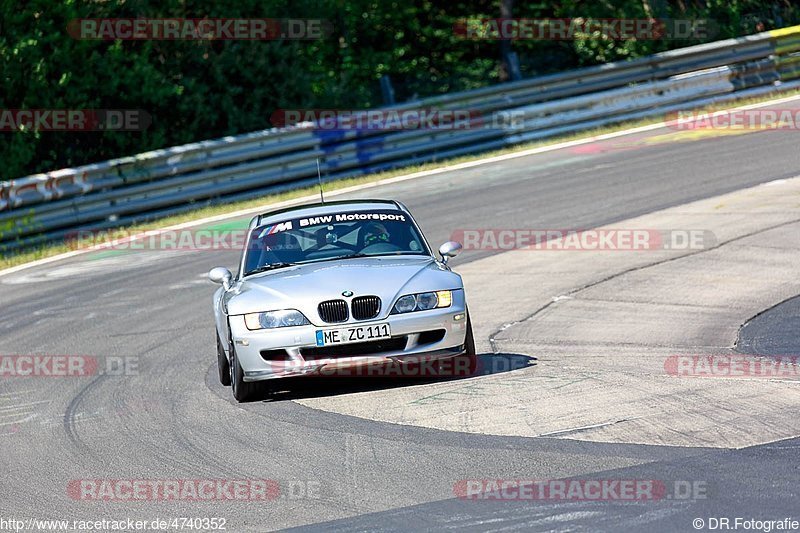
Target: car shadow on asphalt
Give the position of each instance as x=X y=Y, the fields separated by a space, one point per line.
x=333 y=385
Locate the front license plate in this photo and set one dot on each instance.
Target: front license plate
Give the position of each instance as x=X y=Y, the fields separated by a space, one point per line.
x=328 y=337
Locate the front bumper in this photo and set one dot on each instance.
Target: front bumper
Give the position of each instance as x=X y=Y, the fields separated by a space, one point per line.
x=420 y=336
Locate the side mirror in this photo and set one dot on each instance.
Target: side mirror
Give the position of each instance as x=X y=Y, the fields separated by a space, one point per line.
x=221 y=275
x=449 y=249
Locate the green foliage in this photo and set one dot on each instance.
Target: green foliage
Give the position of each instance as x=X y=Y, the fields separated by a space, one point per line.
x=198 y=90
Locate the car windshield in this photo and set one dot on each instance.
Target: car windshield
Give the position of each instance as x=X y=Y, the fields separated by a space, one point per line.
x=331 y=236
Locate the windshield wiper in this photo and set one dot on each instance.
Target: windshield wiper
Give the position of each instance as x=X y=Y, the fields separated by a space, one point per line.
x=271 y=266
x=382 y=254
x=360 y=254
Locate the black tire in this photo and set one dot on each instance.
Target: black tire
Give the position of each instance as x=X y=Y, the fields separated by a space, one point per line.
x=469 y=343
x=222 y=365
x=242 y=390
x=469 y=357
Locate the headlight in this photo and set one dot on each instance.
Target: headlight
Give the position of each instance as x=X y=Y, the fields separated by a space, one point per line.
x=275 y=319
x=427 y=300
x=406 y=304
x=423 y=301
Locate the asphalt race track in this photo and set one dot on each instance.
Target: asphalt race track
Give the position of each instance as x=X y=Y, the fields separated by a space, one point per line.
x=770 y=332
x=171 y=419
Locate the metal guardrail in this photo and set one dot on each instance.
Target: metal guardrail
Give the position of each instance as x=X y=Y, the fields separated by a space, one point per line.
x=50 y=206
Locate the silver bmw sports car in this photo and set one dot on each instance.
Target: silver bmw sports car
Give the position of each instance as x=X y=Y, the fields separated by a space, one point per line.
x=336 y=288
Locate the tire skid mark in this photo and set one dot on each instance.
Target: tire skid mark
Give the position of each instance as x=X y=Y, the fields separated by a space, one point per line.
x=16 y=411
x=71 y=416
x=160 y=447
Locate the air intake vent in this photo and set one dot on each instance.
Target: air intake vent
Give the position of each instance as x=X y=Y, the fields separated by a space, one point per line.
x=366 y=307
x=333 y=311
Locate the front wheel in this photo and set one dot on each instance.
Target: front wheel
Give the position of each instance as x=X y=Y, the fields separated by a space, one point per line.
x=470 y=356
x=242 y=390
x=469 y=342
x=223 y=367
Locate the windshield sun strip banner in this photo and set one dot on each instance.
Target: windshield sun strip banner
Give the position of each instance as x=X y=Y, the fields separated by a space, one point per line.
x=385 y=215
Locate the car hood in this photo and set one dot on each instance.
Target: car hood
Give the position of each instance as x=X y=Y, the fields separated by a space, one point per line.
x=303 y=287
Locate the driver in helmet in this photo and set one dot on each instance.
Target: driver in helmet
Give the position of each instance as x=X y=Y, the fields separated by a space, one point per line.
x=375 y=233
